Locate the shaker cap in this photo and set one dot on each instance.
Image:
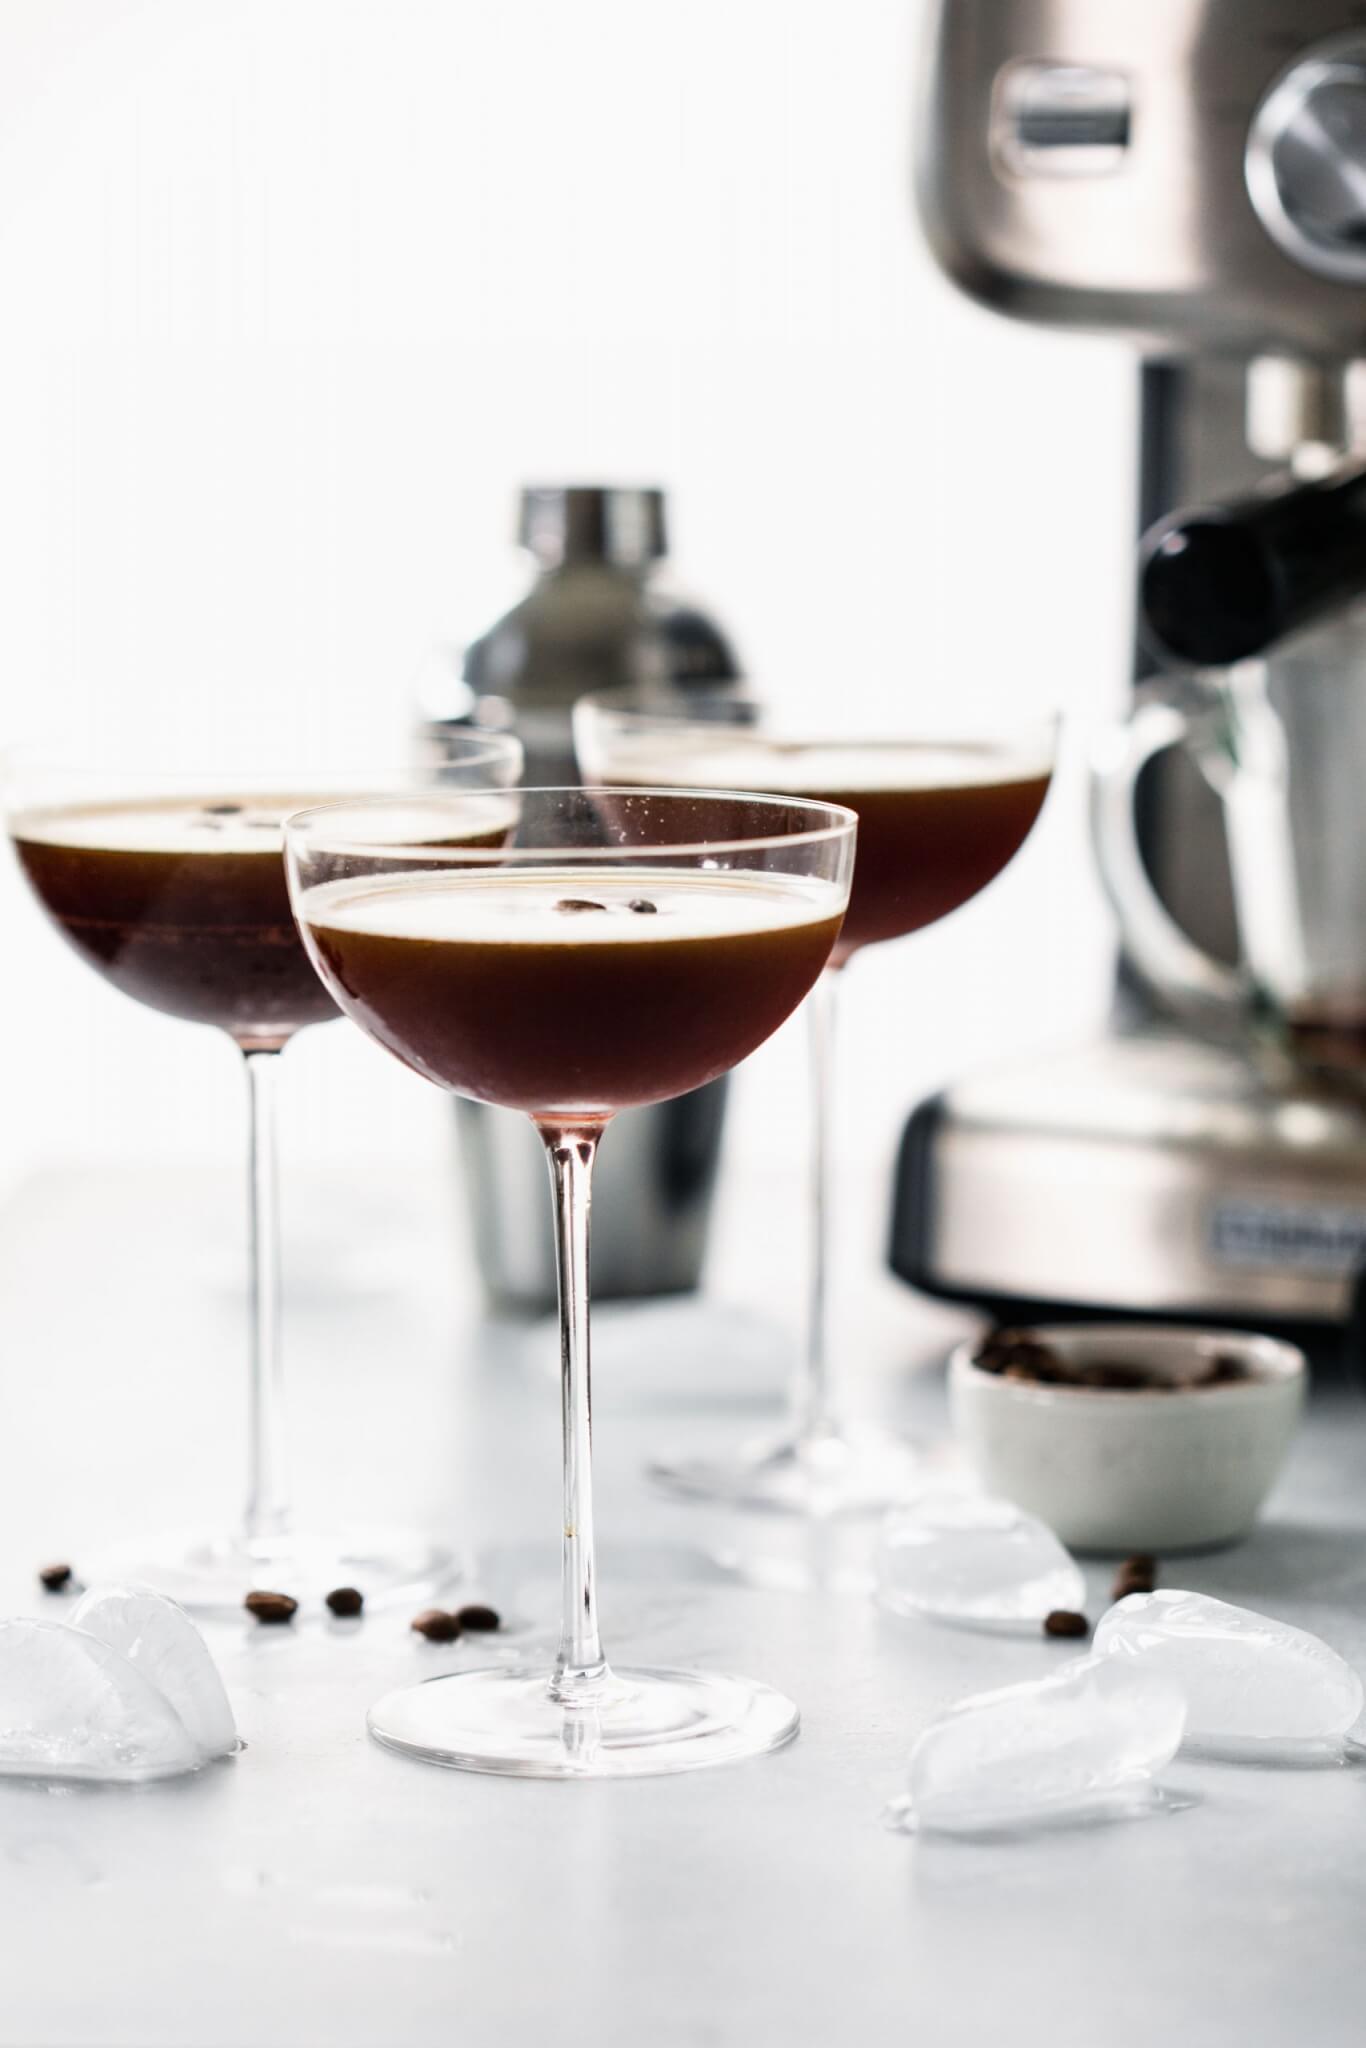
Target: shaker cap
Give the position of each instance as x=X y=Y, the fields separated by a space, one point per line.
x=622 y=524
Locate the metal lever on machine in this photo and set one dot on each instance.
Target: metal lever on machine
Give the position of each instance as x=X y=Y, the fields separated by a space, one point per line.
x=1223 y=583
x=1187 y=979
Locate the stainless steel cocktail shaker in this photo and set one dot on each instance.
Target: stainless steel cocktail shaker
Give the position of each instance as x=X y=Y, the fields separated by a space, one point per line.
x=597 y=616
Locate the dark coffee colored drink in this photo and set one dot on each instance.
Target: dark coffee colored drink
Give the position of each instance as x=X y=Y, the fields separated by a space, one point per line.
x=576 y=992
x=935 y=823
x=182 y=906
x=925 y=852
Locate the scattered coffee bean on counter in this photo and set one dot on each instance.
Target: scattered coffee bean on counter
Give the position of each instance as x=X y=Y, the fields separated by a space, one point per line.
x=1015 y=1355
x=643 y=906
x=344 y=1602
x=436 y=1625
x=271 y=1608
x=569 y=904
x=477 y=1618
x=55 y=1578
x=1064 y=1622
x=1137 y=1574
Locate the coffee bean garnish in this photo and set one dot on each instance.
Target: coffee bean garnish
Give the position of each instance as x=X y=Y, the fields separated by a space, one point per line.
x=54 y=1578
x=345 y=1601
x=271 y=1607
x=436 y=1625
x=1063 y=1622
x=643 y=906
x=477 y=1618
x=569 y=904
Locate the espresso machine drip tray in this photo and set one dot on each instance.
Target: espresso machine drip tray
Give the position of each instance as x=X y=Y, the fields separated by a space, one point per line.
x=1144 y=1175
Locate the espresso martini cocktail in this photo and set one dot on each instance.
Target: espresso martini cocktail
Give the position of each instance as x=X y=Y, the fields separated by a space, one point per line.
x=173 y=888
x=572 y=993
x=937 y=821
x=624 y=947
x=183 y=906
x=936 y=824
x=940 y=816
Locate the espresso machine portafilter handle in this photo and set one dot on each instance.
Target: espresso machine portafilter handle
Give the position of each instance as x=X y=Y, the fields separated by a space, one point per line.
x=1218 y=585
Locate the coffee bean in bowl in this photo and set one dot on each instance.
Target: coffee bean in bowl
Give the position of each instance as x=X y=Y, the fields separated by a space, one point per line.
x=1129 y=1437
x=1017 y=1356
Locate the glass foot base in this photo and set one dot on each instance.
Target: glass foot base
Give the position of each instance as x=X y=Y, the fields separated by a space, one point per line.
x=839 y=1472
x=213 y=1574
x=641 y=1724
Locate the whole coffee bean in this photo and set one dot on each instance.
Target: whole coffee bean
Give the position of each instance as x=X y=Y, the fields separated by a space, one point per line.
x=436 y=1625
x=271 y=1607
x=1063 y=1622
x=345 y=1601
x=1136 y=1575
x=477 y=1618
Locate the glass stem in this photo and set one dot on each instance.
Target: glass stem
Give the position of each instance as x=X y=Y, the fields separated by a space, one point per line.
x=267 y=1486
x=812 y=1413
x=580 y=1667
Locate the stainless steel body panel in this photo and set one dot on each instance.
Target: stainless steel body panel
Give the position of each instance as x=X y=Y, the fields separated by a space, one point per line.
x=1161 y=241
x=1148 y=1174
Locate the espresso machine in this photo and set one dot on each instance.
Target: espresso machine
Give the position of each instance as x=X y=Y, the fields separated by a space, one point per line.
x=1190 y=174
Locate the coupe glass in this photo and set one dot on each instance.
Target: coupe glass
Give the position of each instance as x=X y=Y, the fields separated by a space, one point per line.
x=628 y=946
x=172 y=885
x=941 y=811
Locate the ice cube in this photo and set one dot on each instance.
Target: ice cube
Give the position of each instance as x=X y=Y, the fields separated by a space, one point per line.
x=158 y=1637
x=976 y=1561
x=1255 y=1687
x=70 y=1707
x=1084 y=1743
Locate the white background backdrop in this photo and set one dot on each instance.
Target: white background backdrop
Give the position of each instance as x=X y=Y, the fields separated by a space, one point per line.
x=296 y=292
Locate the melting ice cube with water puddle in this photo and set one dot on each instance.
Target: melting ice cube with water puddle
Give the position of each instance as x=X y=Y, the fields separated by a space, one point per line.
x=1256 y=1689
x=1084 y=1743
x=126 y=1690
x=974 y=1561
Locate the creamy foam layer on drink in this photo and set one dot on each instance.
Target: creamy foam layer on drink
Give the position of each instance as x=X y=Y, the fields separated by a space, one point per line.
x=572 y=906
x=219 y=824
x=696 y=762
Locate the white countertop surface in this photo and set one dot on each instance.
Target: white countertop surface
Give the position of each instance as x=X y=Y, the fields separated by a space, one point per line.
x=317 y=1890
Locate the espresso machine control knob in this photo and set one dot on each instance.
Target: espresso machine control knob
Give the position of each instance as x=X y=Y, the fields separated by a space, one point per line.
x=1306 y=159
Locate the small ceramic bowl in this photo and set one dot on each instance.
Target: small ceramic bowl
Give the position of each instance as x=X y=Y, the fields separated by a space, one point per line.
x=1130 y=1470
